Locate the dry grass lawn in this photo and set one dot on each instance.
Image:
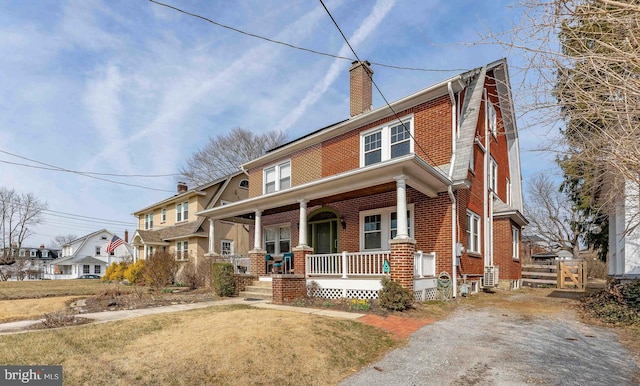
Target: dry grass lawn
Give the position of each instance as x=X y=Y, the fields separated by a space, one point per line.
x=29 y=309
x=229 y=345
x=29 y=289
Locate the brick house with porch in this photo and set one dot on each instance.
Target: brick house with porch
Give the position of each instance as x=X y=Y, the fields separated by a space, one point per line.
x=430 y=183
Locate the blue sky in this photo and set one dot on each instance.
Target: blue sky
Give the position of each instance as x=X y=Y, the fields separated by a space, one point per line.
x=132 y=87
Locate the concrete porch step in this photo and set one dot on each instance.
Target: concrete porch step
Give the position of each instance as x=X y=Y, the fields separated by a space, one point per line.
x=258 y=290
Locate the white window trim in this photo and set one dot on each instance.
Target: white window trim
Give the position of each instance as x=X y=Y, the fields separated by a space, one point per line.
x=231 y=249
x=163 y=216
x=472 y=234
x=98 y=251
x=492 y=118
x=493 y=175
x=180 y=250
x=180 y=211
x=277 y=227
x=278 y=177
x=33 y=254
x=86 y=269
x=148 y=221
x=515 y=243
x=508 y=192
x=385 y=225
x=243 y=187
x=386 y=138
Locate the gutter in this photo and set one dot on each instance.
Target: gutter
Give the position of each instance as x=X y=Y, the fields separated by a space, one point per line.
x=454 y=204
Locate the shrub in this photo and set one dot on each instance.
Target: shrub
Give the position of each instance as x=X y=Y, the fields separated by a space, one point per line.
x=222 y=279
x=134 y=272
x=192 y=275
x=160 y=270
x=115 y=272
x=617 y=304
x=393 y=296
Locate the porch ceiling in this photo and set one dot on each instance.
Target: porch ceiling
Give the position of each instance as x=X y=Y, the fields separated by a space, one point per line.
x=360 y=182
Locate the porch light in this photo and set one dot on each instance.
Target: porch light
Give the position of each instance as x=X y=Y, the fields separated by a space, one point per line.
x=343 y=223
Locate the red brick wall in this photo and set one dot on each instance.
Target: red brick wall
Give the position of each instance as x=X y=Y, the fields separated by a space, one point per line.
x=401 y=263
x=287 y=288
x=432 y=129
x=502 y=253
x=498 y=144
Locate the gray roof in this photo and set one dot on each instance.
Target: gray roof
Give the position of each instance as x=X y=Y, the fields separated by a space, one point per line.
x=161 y=236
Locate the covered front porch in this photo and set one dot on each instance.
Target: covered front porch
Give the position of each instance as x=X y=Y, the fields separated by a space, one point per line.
x=351 y=229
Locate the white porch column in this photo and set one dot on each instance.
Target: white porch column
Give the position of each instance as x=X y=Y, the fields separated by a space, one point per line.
x=302 y=231
x=212 y=243
x=401 y=207
x=257 y=234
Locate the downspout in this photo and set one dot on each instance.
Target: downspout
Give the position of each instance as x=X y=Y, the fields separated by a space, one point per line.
x=454 y=205
x=488 y=258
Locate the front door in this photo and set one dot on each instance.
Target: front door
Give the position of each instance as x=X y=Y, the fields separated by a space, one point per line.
x=324 y=237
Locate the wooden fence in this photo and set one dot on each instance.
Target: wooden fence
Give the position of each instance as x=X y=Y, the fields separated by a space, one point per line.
x=559 y=274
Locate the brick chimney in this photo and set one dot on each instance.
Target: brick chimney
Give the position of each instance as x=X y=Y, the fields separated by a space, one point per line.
x=360 y=81
x=126 y=236
x=182 y=187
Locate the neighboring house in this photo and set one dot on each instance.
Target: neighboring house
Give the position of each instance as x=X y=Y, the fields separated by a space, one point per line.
x=536 y=248
x=171 y=225
x=429 y=184
x=26 y=262
x=88 y=255
x=624 y=239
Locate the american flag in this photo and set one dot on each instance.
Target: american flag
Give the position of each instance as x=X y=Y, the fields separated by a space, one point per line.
x=115 y=243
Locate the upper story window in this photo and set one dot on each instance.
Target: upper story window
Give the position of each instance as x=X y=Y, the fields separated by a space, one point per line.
x=98 y=251
x=45 y=253
x=21 y=253
x=386 y=142
x=277 y=239
x=508 y=191
x=182 y=212
x=277 y=177
x=473 y=232
x=244 y=184
x=492 y=118
x=493 y=175
x=148 y=221
x=103 y=237
x=33 y=253
x=163 y=216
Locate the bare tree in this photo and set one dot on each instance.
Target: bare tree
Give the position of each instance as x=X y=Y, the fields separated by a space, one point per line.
x=224 y=154
x=582 y=74
x=18 y=212
x=61 y=240
x=552 y=216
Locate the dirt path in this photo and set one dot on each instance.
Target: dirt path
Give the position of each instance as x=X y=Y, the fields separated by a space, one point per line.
x=517 y=340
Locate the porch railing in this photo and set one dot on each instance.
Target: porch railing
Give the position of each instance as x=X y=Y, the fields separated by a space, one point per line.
x=347 y=264
x=240 y=264
x=424 y=264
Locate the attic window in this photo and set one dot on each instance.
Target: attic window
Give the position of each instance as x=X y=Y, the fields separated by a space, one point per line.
x=103 y=237
x=492 y=117
x=244 y=184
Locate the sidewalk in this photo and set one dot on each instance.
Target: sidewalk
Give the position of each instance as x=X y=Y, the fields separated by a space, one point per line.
x=108 y=316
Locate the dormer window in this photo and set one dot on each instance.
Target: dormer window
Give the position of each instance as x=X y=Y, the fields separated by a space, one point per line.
x=244 y=184
x=33 y=253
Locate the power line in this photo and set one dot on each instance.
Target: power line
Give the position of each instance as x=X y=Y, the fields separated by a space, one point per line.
x=86 y=174
x=380 y=91
x=92 y=173
x=87 y=217
x=298 y=47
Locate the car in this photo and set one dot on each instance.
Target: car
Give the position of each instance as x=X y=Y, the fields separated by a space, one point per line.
x=89 y=277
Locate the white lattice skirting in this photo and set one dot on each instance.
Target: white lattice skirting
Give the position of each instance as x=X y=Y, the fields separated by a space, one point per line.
x=425 y=294
x=337 y=293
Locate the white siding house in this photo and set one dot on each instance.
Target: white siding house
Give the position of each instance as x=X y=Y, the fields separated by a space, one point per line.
x=87 y=255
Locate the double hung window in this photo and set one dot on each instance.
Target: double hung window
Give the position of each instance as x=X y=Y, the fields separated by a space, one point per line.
x=226 y=247
x=182 y=211
x=277 y=177
x=148 y=221
x=493 y=175
x=515 y=243
x=387 y=142
x=277 y=239
x=378 y=226
x=473 y=232
x=182 y=250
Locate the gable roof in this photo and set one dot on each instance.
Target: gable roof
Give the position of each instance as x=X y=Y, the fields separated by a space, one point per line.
x=164 y=235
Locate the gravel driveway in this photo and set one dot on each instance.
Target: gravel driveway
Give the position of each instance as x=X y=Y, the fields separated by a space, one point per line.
x=497 y=346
